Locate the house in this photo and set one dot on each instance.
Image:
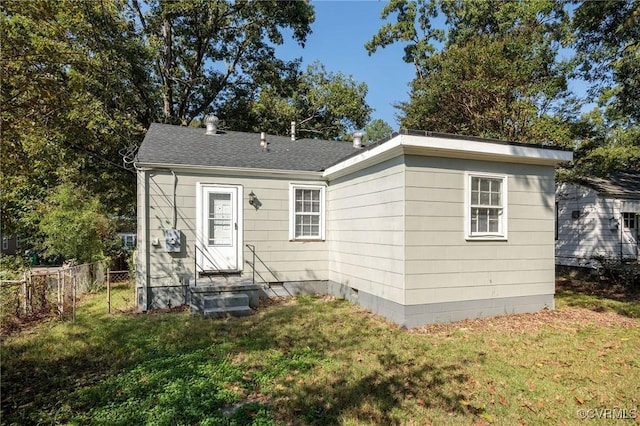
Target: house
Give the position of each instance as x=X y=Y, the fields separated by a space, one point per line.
x=597 y=218
x=128 y=240
x=11 y=245
x=419 y=228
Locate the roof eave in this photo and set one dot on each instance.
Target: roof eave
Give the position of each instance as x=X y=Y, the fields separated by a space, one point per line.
x=149 y=166
x=450 y=148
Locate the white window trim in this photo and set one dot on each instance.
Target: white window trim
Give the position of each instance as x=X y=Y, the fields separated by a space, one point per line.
x=502 y=235
x=292 y=212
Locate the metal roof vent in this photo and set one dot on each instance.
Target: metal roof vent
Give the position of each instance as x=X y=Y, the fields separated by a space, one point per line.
x=263 y=141
x=357 y=140
x=293 y=131
x=211 y=121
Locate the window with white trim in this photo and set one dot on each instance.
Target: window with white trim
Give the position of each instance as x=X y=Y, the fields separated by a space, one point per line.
x=486 y=206
x=306 y=212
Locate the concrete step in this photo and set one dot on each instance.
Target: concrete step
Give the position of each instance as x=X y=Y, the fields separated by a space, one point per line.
x=225 y=301
x=234 y=311
x=218 y=305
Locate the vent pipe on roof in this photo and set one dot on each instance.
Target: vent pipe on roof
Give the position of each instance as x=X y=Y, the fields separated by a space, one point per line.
x=263 y=141
x=293 y=131
x=211 y=121
x=357 y=140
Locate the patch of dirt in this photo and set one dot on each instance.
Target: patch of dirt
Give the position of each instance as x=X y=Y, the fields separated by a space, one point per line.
x=567 y=319
x=17 y=325
x=599 y=288
x=179 y=308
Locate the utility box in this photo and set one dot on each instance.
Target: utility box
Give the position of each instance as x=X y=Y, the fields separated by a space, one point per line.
x=172 y=240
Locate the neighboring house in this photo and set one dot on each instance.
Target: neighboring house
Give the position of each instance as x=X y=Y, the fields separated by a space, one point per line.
x=11 y=245
x=128 y=240
x=597 y=218
x=420 y=228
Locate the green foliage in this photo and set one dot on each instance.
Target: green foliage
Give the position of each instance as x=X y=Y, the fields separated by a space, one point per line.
x=607 y=35
x=492 y=73
x=73 y=225
x=323 y=105
x=208 y=54
x=74 y=94
x=12 y=267
x=376 y=130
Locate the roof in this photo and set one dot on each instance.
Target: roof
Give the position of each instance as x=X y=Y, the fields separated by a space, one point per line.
x=178 y=145
x=621 y=184
x=172 y=145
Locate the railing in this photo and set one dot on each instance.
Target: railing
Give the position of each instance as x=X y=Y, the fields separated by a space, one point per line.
x=252 y=248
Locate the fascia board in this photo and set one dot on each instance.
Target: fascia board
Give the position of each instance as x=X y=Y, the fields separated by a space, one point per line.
x=387 y=150
x=449 y=148
x=301 y=174
x=461 y=148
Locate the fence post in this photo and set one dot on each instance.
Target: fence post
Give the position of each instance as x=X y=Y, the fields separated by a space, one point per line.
x=73 y=280
x=24 y=292
x=108 y=291
x=59 y=292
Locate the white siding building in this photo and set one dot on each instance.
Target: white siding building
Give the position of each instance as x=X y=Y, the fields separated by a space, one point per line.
x=597 y=218
x=420 y=228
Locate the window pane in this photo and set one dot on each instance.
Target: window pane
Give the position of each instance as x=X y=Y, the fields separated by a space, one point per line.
x=307 y=200
x=482 y=220
x=484 y=198
x=307 y=226
x=485 y=220
x=219 y=219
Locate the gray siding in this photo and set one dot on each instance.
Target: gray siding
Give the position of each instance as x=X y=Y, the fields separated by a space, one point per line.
x=365 y=229
x=443 y=267
x=267 y=228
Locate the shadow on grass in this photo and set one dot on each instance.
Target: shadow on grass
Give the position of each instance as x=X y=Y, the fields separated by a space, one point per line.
x=600 y=297
x=311 y=362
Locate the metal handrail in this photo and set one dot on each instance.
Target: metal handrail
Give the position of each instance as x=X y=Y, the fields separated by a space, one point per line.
x=252 y=248
x=195 y=263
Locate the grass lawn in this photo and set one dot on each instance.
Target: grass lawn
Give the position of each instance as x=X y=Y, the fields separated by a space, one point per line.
x=315 y=360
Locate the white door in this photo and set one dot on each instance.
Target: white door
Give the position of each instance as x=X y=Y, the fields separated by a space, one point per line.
x=218 y=228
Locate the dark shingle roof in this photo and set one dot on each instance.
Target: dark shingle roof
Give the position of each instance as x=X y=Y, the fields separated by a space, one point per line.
x=622 y=184
x=176 y=145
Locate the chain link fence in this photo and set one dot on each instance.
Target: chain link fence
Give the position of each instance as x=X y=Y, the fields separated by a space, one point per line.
x=52 y=292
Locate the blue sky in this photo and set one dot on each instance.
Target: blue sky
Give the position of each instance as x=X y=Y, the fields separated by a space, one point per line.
x=339 y=33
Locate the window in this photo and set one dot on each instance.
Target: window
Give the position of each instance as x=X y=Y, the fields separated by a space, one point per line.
x=5 y=243
x=486 y=206
x=128 y=241
x=629 y=220
x=306 y=212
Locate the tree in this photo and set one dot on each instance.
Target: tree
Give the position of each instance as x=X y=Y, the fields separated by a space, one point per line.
x=74 y=94
x=607 y=44
x=72 y=225
x=608 y=50
x=210 y=52
x=376 y=130
x=492 y=73
x=323 y=105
